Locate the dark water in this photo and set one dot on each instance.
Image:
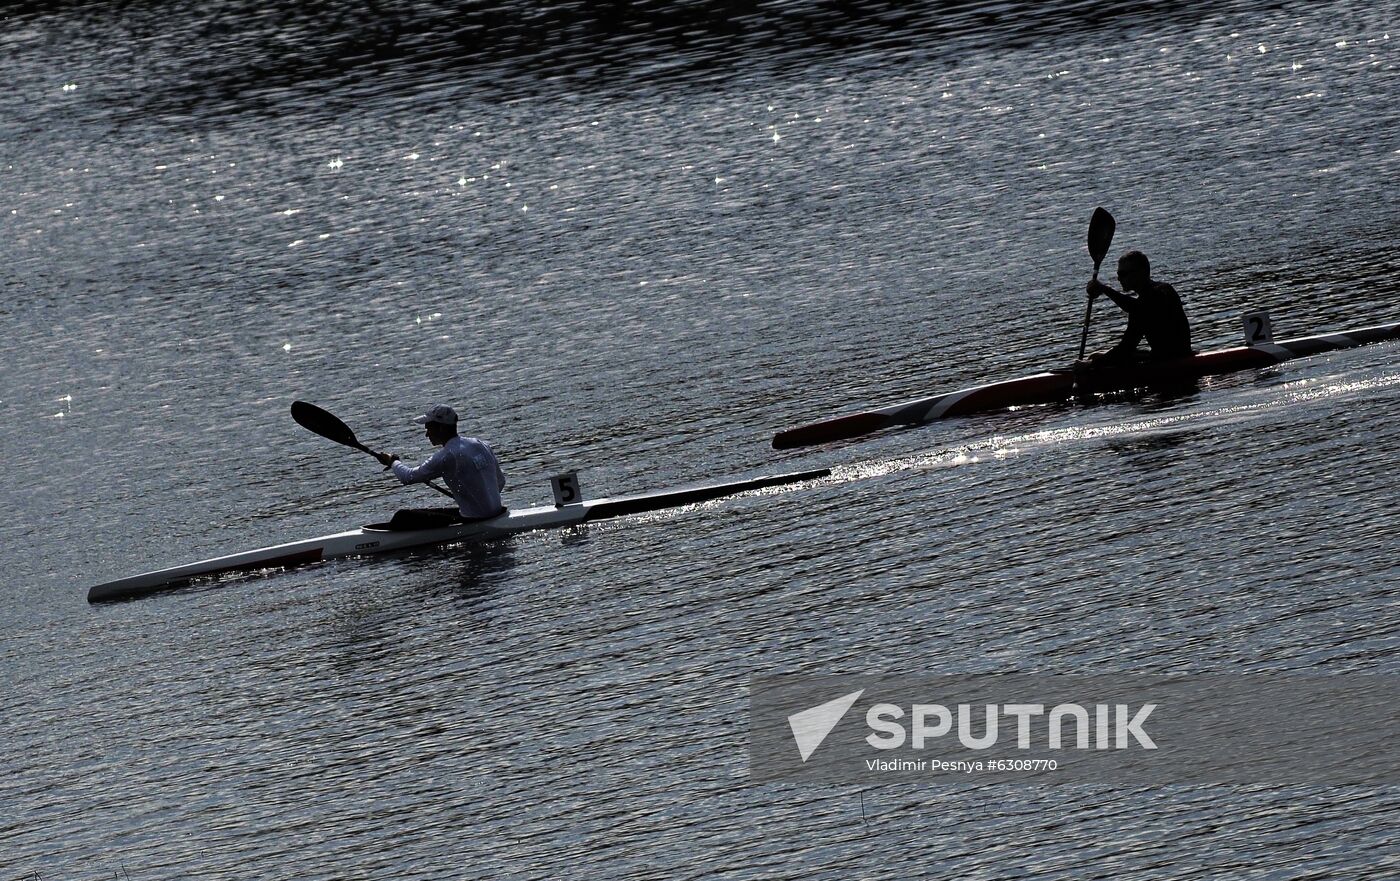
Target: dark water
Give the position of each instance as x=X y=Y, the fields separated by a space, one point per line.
x=635 y=240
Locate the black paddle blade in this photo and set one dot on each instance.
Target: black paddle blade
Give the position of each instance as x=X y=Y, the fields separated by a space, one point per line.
x=318 y=421
x=1101 y=227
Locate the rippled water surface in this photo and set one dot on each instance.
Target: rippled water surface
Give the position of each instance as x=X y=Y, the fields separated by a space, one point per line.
x=635 y=240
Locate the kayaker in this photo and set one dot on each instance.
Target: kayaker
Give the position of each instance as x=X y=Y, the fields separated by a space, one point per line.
x=467 y=465
x=1155 y=314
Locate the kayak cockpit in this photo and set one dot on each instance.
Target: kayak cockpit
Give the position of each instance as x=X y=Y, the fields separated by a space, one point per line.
x=417 y=519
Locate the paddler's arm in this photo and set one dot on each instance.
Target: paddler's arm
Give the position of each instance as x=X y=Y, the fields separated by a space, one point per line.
x=406 y=473
x=1123 y=301
x=1132 y=336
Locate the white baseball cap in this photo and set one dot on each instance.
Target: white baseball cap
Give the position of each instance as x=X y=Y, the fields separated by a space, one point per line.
x=440 y=414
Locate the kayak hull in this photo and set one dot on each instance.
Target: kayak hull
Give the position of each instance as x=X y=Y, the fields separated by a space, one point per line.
x=1059 y=385
x=378 y=540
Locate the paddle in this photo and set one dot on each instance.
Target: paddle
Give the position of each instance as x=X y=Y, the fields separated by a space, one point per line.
x=328 y=426
x=1101 y=227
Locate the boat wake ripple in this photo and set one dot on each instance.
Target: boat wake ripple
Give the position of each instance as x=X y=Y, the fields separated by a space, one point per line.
x=999 y=447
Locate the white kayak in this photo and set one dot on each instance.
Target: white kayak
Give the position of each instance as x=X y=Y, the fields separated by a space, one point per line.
x=378 y=538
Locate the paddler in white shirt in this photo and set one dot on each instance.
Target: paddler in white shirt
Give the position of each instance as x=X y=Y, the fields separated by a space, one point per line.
x=467 y=465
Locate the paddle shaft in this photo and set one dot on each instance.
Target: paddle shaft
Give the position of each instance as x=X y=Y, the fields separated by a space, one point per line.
x=1088 y=314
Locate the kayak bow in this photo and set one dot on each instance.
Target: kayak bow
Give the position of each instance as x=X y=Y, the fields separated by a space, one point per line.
x=378 y=539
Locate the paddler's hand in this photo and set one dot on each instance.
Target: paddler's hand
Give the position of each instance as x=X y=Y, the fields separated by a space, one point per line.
x=1096 y=288
x=386 y=459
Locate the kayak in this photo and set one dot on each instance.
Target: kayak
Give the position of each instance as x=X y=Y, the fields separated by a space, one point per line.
x=1059 y=385
x=379 y=538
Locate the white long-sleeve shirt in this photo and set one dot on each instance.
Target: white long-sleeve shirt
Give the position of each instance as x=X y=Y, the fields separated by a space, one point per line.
x=469 y=468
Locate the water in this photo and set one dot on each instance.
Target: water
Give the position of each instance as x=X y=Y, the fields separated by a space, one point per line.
x=637 y=248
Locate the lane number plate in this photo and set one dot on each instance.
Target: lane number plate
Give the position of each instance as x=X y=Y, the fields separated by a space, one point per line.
x=1258 y=331
x=566 y=489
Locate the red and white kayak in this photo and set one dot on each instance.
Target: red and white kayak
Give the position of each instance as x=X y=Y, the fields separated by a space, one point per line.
x=378 y=539
x=1059 y=385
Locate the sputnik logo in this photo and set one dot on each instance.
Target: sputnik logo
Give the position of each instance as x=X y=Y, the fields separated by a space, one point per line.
x=810 y=727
